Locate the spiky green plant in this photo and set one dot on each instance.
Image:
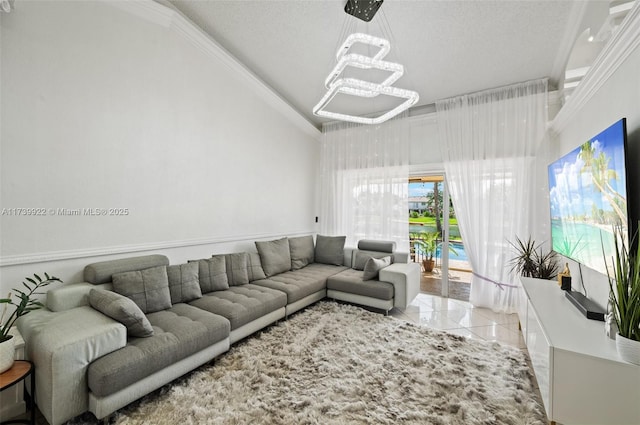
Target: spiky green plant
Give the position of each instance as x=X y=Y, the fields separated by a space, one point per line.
x=547 y=264
x=25 y=304
x=569 y=249
x=624 y=287
x=523 y=263
x=532 y=261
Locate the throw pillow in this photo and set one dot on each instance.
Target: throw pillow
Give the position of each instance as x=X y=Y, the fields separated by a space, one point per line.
x=274 y=256
x=213 y=274
x=255 y=267
x=302 y=251
x=360 y=258
x=330 y=249
x=373 y=266
x=122 y=309
x=148 y=288
x=184 y=284
x=237 y=268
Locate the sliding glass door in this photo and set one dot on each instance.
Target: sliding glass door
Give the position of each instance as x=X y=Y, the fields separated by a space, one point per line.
x=435 y=240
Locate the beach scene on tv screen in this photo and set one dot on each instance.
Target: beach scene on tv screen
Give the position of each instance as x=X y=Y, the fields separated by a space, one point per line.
x=587 y=195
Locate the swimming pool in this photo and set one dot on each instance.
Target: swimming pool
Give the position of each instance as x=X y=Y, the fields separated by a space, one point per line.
x=460 y=254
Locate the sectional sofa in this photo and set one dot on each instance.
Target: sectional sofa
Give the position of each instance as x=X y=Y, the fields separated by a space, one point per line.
x=138 y=323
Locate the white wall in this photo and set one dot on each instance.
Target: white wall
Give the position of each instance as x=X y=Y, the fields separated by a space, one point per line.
x=602 y=102
x=102 y=108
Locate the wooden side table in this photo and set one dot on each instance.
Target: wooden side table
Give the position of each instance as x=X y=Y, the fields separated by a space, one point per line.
x=18 y=372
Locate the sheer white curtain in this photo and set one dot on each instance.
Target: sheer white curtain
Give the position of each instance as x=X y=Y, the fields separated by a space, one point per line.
x=364 y=171
x=489 y=144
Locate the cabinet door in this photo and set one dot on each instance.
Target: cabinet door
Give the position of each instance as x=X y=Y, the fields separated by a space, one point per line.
x=541 y=358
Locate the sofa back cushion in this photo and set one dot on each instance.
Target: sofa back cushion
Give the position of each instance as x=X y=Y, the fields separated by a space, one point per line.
x=330 y=249
x=302 y=251
x=148 y=288
x=237 y=266
x=184 y=283
x=254 y=267
x=212 y=274
x=274 y=256
x=122 y=309
x=102 y=271
x=376 y=245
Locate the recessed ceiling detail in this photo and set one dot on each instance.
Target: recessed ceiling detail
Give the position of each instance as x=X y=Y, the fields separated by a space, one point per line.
x=447 y=48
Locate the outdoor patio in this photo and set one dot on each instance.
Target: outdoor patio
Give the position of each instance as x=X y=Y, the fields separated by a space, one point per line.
x=459 y=283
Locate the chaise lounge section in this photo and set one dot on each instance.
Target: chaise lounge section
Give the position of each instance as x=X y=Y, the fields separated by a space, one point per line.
x=139 y=323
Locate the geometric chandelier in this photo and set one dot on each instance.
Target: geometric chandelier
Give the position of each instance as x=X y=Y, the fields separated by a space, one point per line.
x=361 y=88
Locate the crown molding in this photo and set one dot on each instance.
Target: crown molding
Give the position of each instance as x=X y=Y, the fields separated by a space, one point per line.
x=621 y=45
x=165 y=14
x=43 y=257
x=147 y=10
x=576 y=16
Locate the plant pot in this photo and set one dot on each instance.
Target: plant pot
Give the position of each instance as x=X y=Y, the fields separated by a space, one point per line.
x=7 y=353
x=428 y=265
x=628 y=349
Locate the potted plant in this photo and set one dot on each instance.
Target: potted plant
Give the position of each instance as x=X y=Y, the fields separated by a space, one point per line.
x=428 y=244
x=624 y=298
x=24 y=303
x=532 y=261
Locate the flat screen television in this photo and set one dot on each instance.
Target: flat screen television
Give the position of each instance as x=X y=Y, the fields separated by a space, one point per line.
x=588 y=197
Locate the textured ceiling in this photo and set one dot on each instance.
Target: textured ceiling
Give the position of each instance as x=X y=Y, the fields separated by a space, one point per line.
x=448 y=47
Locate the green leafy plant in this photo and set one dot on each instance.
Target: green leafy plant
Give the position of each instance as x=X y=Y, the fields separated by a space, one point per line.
x=624 y=287
x=428 y=243
x=569 y=249
x=532 y=261
x=24 y=302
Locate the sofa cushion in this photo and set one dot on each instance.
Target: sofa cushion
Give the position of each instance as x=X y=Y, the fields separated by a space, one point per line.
x=274 y=256
x=148 y=288
x=373 y=267
x=122 y=309
x=102 y=271
x=255 y=267
x=184 y=283
x=330 y=249
x=360 y=258
x=213 y=274
x=302 y=251
x=300 y=283
x=179 y=332
x=351 y=281
x=242 y=304
x=237 y=268
x=377 y=245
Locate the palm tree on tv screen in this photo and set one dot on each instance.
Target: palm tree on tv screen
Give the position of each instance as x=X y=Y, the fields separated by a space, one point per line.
x=601 y=176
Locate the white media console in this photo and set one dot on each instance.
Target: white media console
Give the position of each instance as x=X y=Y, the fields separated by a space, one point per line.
x=581 y=377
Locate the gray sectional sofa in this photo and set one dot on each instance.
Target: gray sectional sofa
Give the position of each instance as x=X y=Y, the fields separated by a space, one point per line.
x=139 y=323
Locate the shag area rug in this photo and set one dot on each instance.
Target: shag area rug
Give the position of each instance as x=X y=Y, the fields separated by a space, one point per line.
x=339 y=364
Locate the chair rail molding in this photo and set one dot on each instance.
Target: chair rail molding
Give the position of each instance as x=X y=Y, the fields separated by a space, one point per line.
x=621 y=45
x=166 y=15
x=42 y=257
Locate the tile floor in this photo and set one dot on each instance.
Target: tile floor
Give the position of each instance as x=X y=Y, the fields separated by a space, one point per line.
x=462 y=318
